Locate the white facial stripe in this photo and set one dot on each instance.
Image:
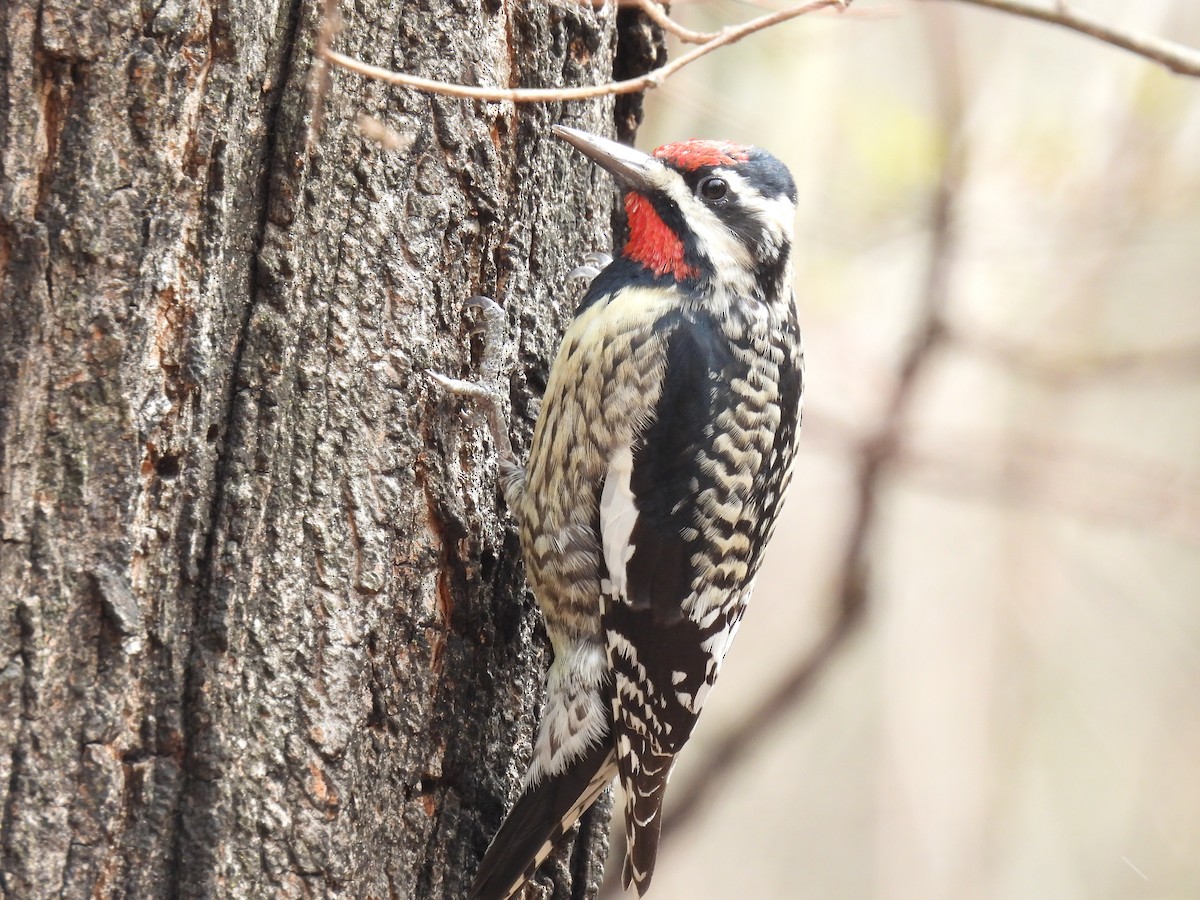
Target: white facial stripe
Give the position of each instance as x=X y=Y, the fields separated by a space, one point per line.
x=776 y=214
x=732 y=260
x=728 y=255
x=661 y=176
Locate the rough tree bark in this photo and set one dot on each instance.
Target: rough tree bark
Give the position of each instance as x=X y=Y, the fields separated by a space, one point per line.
x=264 y=631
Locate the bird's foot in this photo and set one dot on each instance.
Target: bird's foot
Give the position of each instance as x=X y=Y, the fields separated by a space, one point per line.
x=593 y=263
x=491 y=329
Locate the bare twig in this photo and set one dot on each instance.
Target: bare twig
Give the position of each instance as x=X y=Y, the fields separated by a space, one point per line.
x=320 y=78
x=384 y=135
x=726 y=36
x=660 y=18
x=1179 y=58
x=1059 y=478
x=794 y=687
x=1180 y=361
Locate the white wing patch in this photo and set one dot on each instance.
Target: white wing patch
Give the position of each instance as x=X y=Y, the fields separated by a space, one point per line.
x=618 y=515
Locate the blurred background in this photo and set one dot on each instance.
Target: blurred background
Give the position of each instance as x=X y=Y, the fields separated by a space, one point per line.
x=972 y=665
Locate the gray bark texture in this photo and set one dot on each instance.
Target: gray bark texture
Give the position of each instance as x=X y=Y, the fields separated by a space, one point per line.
x=263 y=627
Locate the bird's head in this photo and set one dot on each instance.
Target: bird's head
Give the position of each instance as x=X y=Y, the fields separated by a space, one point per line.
x=703 y=212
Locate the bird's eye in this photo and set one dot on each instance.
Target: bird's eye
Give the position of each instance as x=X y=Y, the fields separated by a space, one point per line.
x=713 y=188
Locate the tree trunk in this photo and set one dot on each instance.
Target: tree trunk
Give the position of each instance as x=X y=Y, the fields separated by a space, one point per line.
x=264 y=627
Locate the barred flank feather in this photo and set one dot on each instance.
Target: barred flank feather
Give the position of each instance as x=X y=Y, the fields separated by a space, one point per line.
x=538 y=820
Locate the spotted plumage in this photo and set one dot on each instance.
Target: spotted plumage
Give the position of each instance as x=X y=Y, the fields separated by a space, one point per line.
x=654 y=479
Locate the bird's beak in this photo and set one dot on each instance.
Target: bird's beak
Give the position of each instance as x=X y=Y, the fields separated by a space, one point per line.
x=633 y=169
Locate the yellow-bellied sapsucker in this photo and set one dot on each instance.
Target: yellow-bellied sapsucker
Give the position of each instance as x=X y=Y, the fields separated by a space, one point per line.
x=659 y=461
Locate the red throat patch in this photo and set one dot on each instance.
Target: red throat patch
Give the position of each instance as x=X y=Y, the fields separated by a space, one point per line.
x=651 y=242
x=692 y=155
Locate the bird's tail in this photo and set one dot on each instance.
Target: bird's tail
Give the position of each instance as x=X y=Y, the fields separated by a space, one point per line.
x=573 y=762
x=540 y=818
x=644 y=790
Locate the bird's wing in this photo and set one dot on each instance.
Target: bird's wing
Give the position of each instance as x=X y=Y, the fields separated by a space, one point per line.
x=668 y=612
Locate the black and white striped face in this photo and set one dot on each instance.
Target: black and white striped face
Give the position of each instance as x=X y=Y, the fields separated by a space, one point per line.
x=711 y=212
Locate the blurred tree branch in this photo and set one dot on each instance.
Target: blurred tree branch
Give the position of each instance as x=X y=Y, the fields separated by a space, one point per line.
x=1179 y=361
x=1179 y=58
x=1054 y=476
x=1057 y=477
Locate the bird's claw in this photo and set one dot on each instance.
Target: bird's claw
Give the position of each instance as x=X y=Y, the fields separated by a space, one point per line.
x=487 y=305
x=593 y=262
x=492 y=319
x=459 y=387
x=588 y=272
x=491 y=330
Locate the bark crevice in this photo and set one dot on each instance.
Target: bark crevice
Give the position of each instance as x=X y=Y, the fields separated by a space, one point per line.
x=204 y=627
x=261 y=607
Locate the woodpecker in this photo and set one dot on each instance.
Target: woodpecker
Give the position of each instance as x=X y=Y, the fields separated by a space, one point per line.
x=660 y=458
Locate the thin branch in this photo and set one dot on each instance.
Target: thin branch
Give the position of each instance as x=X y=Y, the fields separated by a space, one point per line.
x=764 y=718
x=1173 y=362
x=660 y=18
x=384 y=135
x=1179 y=58
x=321 y=82
x=657 y=14
x=1058 y=478
x=726 y=36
